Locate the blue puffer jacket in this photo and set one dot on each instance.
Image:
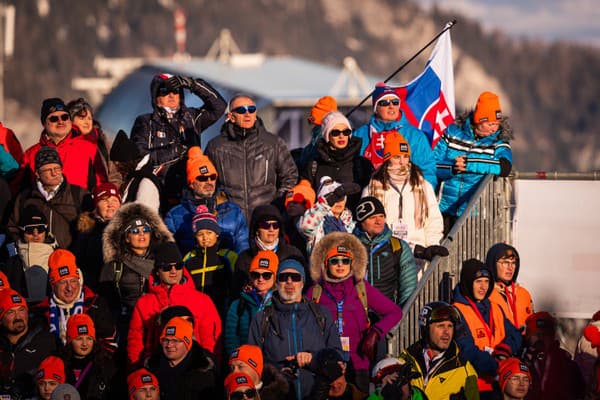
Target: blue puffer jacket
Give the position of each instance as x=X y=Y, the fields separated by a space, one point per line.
x=420 y=148
x=8 y=165
x=234 y=230
x=240 y=314
x=486 y=155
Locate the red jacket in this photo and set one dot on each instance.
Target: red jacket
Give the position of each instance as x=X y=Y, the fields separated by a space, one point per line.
x=78 y=156
x=144 y=332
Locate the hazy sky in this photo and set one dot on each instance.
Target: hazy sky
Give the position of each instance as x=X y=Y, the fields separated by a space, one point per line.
x=574 y=20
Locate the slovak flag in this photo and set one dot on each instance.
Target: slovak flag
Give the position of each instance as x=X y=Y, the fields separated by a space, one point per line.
x=428 y=100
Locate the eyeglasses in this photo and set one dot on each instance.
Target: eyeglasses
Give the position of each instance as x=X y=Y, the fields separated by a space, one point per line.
x=163 y=91
x=338 y=132
x=50 y=169
x=63 y=117
x=205 y=178
x=507 y=263
x=257 y=275
x=168 y=267
x=294 y=276
x=244 y=109
x=520 y=379
x=40 y=228
x=138 y=230
x=385 y=103
x=249 y=394
x=340 y=261
x=268 y=224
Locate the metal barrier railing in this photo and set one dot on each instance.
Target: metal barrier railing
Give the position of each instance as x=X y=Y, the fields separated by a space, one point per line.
x=485 y=221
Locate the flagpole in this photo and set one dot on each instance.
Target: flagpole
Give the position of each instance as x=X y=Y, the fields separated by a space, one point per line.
x=448 y=26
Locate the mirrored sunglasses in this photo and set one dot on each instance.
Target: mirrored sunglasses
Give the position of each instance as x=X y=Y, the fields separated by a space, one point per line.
x=249 y=394
x=257 y=275
x=294 y=276
x=168 y=267
x=140 y=229
x=63 y=117
x=244 y=109
x=338 y=132
x=205 y=178
x=385 y=103
x=340 y=261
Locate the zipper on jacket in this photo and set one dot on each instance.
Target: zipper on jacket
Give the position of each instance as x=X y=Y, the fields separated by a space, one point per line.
x=266 y=171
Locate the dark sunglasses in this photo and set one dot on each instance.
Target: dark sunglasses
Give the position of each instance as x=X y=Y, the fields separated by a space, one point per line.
x=250 y=394
x=137 y=230
x=163 y=91
x=268 y=224
x=284 y=276
x=29 y=229
x=205 y=178
x=385 y=103
x=244 y=109
x=338 y=132
x=168 y=267
x=257 y=275
x=63 y=117
x=340 y=261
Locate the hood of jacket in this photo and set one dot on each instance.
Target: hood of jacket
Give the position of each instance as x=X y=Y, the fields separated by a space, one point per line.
x=113 y=238
x=468 y=274
x=327 y=242
x=505 y=132
x=262 y=213
x=496 y=252
x=329 y=155
x=158 y=81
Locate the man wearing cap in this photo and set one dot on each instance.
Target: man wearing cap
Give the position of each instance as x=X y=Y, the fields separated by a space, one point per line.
x=292 y=330
x=69 y=296
x=254 y=166
x=484 y=335
x=476 y=144
x=82 y=163
x=387 y=117
x=170 y=284
x=395 y=276
x=59 y=201
x=184 y=369
x=24 y=343
x=142 y=385
x=202 y=183
x=440 y=370
x=514 y=379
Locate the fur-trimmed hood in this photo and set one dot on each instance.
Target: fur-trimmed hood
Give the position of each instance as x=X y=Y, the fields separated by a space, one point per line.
x=506 y=131
x=349 y=241
x=113 y=245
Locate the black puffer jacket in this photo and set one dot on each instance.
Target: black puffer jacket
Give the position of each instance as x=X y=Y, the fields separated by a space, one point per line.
x=254 y=165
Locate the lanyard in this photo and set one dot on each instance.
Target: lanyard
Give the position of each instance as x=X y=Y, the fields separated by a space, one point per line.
x=399 y=194
x=489 y=329
x=339 y=305
x=511 y=298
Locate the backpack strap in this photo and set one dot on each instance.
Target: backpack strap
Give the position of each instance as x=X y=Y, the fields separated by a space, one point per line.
x=316 y=310
x=397 y=255
x=316 y=293
x=118 y=272
x=268 y=319
x=361 y=289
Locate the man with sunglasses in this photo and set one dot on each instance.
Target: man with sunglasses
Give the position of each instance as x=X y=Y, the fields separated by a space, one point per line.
x=82 y=164
x=172 y=127
x=254 y=166
x=291 y=331
x=387 y=118
x=170 y=284
x=442 y=372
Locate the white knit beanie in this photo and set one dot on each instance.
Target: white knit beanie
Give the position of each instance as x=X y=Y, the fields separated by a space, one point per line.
x=332 y=119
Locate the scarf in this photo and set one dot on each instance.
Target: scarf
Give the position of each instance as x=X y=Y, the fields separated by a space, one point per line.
x=35 y=254
x=399 y=177
x=263 y=246
x=60 y=313
x=333 y=224
x=142 y=266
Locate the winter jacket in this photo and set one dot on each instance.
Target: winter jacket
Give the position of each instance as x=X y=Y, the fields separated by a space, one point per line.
x=283 y=250
x=487 y=155
x=8 y=165
x=392 y=273
x=11 y=144
x=342 y=165
x=194 y=378
x=274 y=384
x=81 y=161
x=234 y=230
x=448 y=375
x=313 y=224
x=240 y=314
x=61 y=211
x=100 y=382
x=420 y=149
x=19 y=362
x=353 y=314
x=99 y=139
x=144 y=333
x=254 y=165
x=514 y=300
x=88 y=247
x=294 y=328
x=432 y=230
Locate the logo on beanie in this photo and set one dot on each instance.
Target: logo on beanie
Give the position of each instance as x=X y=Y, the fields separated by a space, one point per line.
x=482 y=273
x=1 y=282
x=63 y=271
x=40 y=374
x=507 y=375
x=146 y=379
x=82 y=330
x=170 y=331
x=186 y=340
x=498 y=114
x=234 y=354
x=203 y=169
x=523 y=367
x=342 y=249
x=404 y=147
x=16 y=299
x=364 y=210
x=241 y=379
x=252 y=362
x=263 y=262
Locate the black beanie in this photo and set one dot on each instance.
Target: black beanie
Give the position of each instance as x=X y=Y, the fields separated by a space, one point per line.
x=166 y=253
x=329 y=368
x=368 y=206
x=473 y=269
x=52 y=105
x=46 y=155
x=123 y=149
x=32 y=215
x=175 y=311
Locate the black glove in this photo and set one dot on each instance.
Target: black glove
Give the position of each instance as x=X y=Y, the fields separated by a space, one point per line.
x=369 y=343
x=406 y=374
x=176 y=82
x=295 y=209
x=427 y=253
x=337 y=195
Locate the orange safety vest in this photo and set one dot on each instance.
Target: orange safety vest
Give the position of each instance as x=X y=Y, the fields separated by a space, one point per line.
x=481 y=334
x=516 y=307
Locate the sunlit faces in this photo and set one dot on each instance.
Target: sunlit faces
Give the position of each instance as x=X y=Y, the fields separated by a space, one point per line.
x=50 y=174
x=82 y=345
x=174 y=350
x=374 y=225
x=148 y=392
x=388 y=108
x=138 y=240
x=400 y=160
x=480 y=288
x=245 y=120
x=206 y=238
x=339 y=207
x=268 y=231
x=35 y=233
x=58 y=125
x=240 y=366
x=107 y=207
x=172 y=276
x=15 y=320
x=440 y=335
x=483 y=129
x=339 y=136
x=260 y=282
x=46 y=387
x=84 y=121
x=505 y=268
x=67 y=289
x=170 y=100
x=289 y=290
x=517 y=386
x=205 y=188
x=339 y=267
